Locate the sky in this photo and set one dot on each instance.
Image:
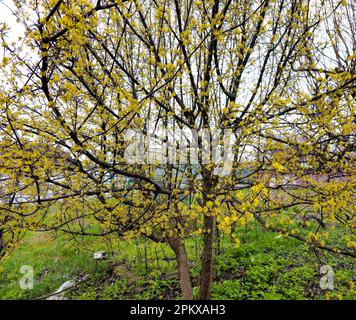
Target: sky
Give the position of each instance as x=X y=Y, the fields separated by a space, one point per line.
x=7 y=16
x=5 y=12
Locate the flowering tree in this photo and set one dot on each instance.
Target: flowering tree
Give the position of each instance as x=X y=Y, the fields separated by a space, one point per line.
x=169 y=119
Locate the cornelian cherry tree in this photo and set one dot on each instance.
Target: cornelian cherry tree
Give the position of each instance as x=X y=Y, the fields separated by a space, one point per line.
x=260 y=93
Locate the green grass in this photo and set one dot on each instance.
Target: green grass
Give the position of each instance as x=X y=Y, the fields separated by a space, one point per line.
x=278 y=268
x=53 y=261
x=263 y=267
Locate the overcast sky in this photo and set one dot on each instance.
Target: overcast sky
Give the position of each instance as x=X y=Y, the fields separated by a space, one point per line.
x=7 y=16
x=5 y=12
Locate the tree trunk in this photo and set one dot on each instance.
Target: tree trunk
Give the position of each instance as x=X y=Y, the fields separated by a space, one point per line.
x=206 y=275
x=178 y=247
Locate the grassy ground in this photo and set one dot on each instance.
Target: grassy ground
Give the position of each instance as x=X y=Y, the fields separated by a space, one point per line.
x=264 y=266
